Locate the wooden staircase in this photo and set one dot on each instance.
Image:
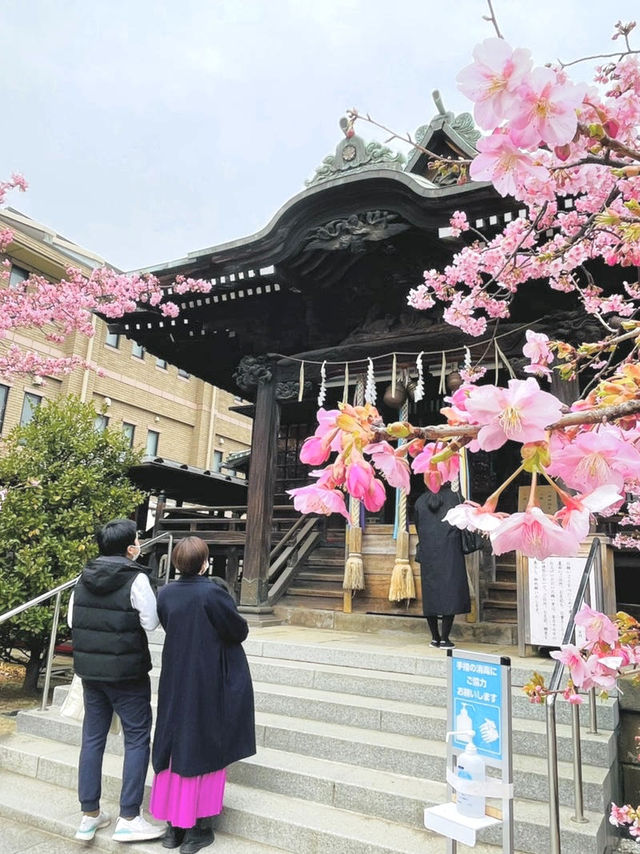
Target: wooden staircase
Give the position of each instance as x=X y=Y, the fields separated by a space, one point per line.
x=318 y=582
x=500 y=604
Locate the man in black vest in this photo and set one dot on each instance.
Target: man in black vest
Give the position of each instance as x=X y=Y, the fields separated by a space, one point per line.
x=111 y=606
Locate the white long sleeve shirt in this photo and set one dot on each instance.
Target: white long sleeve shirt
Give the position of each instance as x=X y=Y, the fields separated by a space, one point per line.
x=142 y=599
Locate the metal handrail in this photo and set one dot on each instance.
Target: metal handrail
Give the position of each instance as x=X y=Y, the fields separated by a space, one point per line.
x=594 y=562
x=57 y=592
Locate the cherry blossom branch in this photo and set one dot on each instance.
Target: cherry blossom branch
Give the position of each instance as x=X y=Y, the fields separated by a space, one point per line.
x=618 y=55
x=491 y=17
x=597 y=415
x=353 y=115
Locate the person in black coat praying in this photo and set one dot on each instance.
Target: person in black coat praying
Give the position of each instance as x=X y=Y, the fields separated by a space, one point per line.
x=205 y=719
x=445 y=589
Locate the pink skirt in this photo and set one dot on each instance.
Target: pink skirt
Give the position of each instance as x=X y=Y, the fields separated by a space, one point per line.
x=183 y=800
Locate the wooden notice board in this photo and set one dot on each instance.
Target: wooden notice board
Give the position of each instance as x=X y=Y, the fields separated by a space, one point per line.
x=547 y=589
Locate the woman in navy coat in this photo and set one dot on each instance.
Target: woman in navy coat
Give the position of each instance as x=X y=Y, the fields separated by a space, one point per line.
x=205 y=718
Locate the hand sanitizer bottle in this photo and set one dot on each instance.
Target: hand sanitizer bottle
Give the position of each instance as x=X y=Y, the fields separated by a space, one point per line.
x=471 y=766
x=464 y=725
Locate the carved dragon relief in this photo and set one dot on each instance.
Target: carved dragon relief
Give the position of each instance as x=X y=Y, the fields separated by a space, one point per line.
x=355 y=231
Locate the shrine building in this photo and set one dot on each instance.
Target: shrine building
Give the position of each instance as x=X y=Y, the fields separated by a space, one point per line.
x=310 y=308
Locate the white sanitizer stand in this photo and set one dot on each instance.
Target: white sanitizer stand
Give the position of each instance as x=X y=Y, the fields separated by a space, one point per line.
x=479 y=699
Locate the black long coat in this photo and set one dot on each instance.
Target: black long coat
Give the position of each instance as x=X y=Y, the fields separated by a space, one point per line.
x=205 y=716
x=445 y=589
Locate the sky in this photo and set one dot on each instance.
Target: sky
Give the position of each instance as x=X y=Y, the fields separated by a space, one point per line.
x=148 y=129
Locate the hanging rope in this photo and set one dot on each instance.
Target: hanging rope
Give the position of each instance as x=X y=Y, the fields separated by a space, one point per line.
x=402 y=586
x=354 y=565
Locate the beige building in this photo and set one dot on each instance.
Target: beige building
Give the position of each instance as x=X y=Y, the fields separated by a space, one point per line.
x=166 y=412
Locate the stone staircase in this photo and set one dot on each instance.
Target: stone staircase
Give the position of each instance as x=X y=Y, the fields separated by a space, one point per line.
x=351 y=732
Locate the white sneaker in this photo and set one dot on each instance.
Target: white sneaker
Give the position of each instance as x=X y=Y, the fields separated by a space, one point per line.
x=90 y=824
x=137 y=830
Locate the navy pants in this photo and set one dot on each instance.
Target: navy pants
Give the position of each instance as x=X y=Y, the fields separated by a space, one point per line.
x=131 y=700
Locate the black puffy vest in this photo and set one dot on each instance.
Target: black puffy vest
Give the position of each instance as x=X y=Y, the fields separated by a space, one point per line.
x=109 y=644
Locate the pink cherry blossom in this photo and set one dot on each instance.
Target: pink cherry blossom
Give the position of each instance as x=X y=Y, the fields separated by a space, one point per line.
x=314 y=451
x=435 y=474
x=545 y=110
x=391 y=463
x=537 y=350
x=375 y=495
x=359 y=476
x=598 y=627
x=492 y=80
x=594 y=458
x=317 y=499
x=620 y=815
x=534 y=534
x=503 y=163
x=519 y=413
x=600 y=674
x=471 y=516
x=571 y=656
x=575 y=516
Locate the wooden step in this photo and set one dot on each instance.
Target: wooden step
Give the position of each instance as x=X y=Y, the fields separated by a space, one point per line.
x=503 y=591
x=314 y=591
x=333 y=577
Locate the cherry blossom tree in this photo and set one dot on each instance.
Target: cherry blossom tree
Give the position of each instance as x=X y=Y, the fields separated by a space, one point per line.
x=569 y=154
x=60 y=308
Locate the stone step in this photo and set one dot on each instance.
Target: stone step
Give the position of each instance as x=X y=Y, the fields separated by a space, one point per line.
x=400 y=676
x=333 y=785
x=404 y=717
x=410 y=755
x=38 y=806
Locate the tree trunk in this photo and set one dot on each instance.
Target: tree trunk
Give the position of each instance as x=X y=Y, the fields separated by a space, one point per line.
x=36 y=653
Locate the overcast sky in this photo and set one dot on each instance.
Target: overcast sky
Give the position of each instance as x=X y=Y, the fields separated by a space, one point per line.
x=147 y=129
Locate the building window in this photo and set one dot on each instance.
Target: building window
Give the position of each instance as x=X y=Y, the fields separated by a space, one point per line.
x=29 y=405
x=100 y=423
x=137 y=350
x=17 y=275
x=161 y=363
x=217 y=461
x=184 y=374
x=153 y=438
x=112 y=340
x=129 y=431
x=4 y=394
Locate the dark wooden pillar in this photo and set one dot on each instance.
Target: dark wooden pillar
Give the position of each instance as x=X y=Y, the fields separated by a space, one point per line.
x=264 y=446
x=565 y=390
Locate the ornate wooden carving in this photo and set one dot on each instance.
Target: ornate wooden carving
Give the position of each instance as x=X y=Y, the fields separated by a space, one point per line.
x=354 y=232
x=253 y=371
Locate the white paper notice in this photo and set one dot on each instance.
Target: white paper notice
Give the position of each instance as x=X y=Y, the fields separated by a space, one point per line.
x=553 y=584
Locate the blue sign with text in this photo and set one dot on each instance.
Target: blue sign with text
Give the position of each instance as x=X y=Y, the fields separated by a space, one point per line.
x=477 y=705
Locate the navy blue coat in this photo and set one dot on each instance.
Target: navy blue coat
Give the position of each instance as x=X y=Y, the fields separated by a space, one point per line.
x=445 y=589
x=205 y=716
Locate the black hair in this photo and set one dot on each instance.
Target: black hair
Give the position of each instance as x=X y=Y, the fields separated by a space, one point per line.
x=434 y=501
x=115 y=536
